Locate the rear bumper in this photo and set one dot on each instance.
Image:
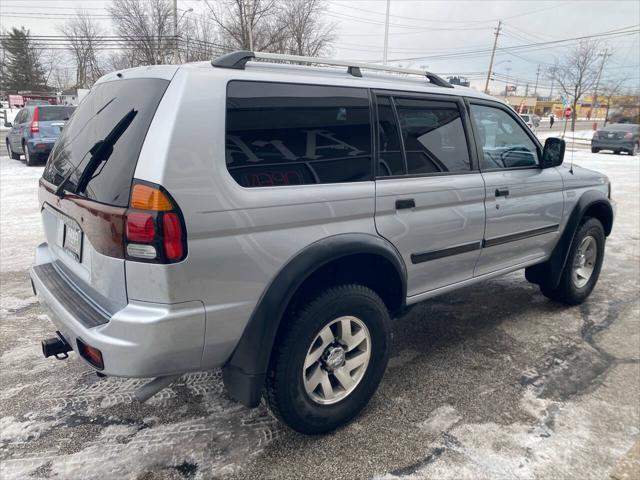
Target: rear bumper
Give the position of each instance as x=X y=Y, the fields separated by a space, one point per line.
x=606 y=144
x=40 y=146
x=140 y=340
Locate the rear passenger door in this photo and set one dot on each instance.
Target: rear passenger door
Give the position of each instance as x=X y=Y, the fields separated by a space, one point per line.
x=429 y=194
x=524 y=202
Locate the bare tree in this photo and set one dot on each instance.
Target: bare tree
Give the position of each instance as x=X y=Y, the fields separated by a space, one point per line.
x=146 y=28
x=306 y=34
x=610 y=89
x=198 y=39
x=578 y=73
x=84 y=37
x=248 y=24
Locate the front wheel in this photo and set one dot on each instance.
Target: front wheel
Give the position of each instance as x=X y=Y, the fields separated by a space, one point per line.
x=13 y=156
x=583 y=265
x=329 y=359
x=594 y=150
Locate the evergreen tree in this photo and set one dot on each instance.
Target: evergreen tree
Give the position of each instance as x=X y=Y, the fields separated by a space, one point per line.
x=23 y=70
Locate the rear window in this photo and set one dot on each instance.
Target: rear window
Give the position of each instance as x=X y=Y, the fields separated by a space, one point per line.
x=622 y=127
x=47 y=114
x=289 y=134
x=99 y=146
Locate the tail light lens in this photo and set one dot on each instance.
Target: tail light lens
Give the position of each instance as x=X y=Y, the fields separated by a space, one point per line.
x=628 y=135
x=35 y=124
x=90 y=354
x=155 y=230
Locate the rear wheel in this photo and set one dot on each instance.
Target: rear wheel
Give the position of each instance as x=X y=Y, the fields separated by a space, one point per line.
x=13 y=156
x=583 y=265
x=30 y=159
x=594 y=150
x=329 y=360
x=617 y=152
x=634 y=150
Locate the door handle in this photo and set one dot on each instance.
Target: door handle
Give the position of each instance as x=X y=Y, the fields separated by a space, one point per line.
x=502 y=192
x=405 y=203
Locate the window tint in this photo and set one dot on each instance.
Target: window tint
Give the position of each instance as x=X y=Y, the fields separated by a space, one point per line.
x=433 y=135
x=390 y=161
x=46 y=114
x=288 y=134
x=122 y=108
x=504 y=142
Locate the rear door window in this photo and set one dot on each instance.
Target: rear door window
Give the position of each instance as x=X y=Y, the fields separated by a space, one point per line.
x=48 y=114
x=99 y=147
x=433 y=135
x=281 y=134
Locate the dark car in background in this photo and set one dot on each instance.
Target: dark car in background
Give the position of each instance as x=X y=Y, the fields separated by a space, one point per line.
x=35 y=130
x=618 y=137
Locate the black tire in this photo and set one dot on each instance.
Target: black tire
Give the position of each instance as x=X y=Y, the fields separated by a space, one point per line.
x=634 y=150
x=13 y=156
x=30 y=159
x=567 y=291
x=616 y=152
x=594 y=150
x=285 y=391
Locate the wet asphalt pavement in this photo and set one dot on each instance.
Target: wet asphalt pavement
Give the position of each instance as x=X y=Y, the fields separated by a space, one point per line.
x=493 y=381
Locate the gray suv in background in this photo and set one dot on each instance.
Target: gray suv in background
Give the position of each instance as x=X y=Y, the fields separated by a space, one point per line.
x=270 y=219
x=35 y=130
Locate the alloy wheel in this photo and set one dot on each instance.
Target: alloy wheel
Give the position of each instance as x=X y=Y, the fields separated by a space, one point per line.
x=584 y=261
x=337 y=360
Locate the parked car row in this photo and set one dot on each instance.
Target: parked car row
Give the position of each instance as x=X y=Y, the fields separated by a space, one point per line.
x=35 y=130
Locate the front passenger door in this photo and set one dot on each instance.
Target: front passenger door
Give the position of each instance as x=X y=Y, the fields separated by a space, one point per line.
x=523 y=202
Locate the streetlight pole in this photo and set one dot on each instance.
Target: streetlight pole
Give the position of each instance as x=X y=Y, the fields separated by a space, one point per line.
x=506 y=86
x=386 y=34
x=175 y=31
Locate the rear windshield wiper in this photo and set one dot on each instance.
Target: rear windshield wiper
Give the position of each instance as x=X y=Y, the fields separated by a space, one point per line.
x=101 y=151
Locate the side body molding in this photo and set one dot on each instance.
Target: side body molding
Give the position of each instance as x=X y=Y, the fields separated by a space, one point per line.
x=590 y=201
x=245 y=372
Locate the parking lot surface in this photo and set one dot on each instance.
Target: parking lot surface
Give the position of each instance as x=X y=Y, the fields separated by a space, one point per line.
x=493 y=381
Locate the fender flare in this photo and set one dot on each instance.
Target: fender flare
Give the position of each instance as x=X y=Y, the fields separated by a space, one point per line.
x=551 y=270
x=245 y=371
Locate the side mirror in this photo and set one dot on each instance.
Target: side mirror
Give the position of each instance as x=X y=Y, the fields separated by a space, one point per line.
x=8 y=124
x=553 y=152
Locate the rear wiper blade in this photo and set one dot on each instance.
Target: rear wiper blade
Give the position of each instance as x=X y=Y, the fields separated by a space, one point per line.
x=101 y=151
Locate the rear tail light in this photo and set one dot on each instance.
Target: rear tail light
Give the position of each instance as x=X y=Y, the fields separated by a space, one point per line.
x=628 y=135
x=155 y=230
x=35 y=125
x=90 y=354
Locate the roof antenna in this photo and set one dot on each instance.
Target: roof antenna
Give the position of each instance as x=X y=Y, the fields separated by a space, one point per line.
x=573 y=147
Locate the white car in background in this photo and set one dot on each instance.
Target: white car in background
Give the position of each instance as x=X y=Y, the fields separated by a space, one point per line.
x=532 y=121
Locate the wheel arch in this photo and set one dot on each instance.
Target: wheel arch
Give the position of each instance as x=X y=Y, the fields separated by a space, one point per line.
x=245 y=372
x=592 y=203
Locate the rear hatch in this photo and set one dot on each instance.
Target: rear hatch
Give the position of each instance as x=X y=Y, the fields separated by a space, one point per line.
x=52 y=120
x=84 y=190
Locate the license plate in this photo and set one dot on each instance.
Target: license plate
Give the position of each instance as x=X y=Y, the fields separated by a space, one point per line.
x=72 y=241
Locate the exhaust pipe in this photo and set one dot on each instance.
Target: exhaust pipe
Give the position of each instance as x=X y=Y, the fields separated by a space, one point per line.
x=56 y=347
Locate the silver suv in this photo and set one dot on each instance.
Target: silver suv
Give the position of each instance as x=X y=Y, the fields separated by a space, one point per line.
x=271 y=218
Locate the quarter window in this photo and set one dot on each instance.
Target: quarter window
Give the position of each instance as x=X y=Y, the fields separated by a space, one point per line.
x=505 y=144
x=290 y=134
x=433 y=135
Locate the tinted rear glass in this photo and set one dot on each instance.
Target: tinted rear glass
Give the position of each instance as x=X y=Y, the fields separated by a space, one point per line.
x=289 y=134
x=47 y=114
x=622 y=127
x=128 y=104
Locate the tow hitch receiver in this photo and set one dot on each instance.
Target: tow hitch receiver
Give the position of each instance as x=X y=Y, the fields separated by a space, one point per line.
x=56 y=347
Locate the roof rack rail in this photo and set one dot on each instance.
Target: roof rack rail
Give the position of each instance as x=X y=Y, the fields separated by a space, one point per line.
x=239 y=59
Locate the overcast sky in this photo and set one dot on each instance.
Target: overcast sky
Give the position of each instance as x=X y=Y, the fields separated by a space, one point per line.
x=432 y=34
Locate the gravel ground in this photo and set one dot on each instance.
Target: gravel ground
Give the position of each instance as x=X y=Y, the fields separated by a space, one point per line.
x=494 y=381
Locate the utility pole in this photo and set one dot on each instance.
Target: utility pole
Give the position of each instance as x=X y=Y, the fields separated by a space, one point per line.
x=526 y=90
x=493 y=53
x=506 y=85
x=386 y=34
x=594 y=101
x=535 y=89
x=175 y=31
x=552 y=70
